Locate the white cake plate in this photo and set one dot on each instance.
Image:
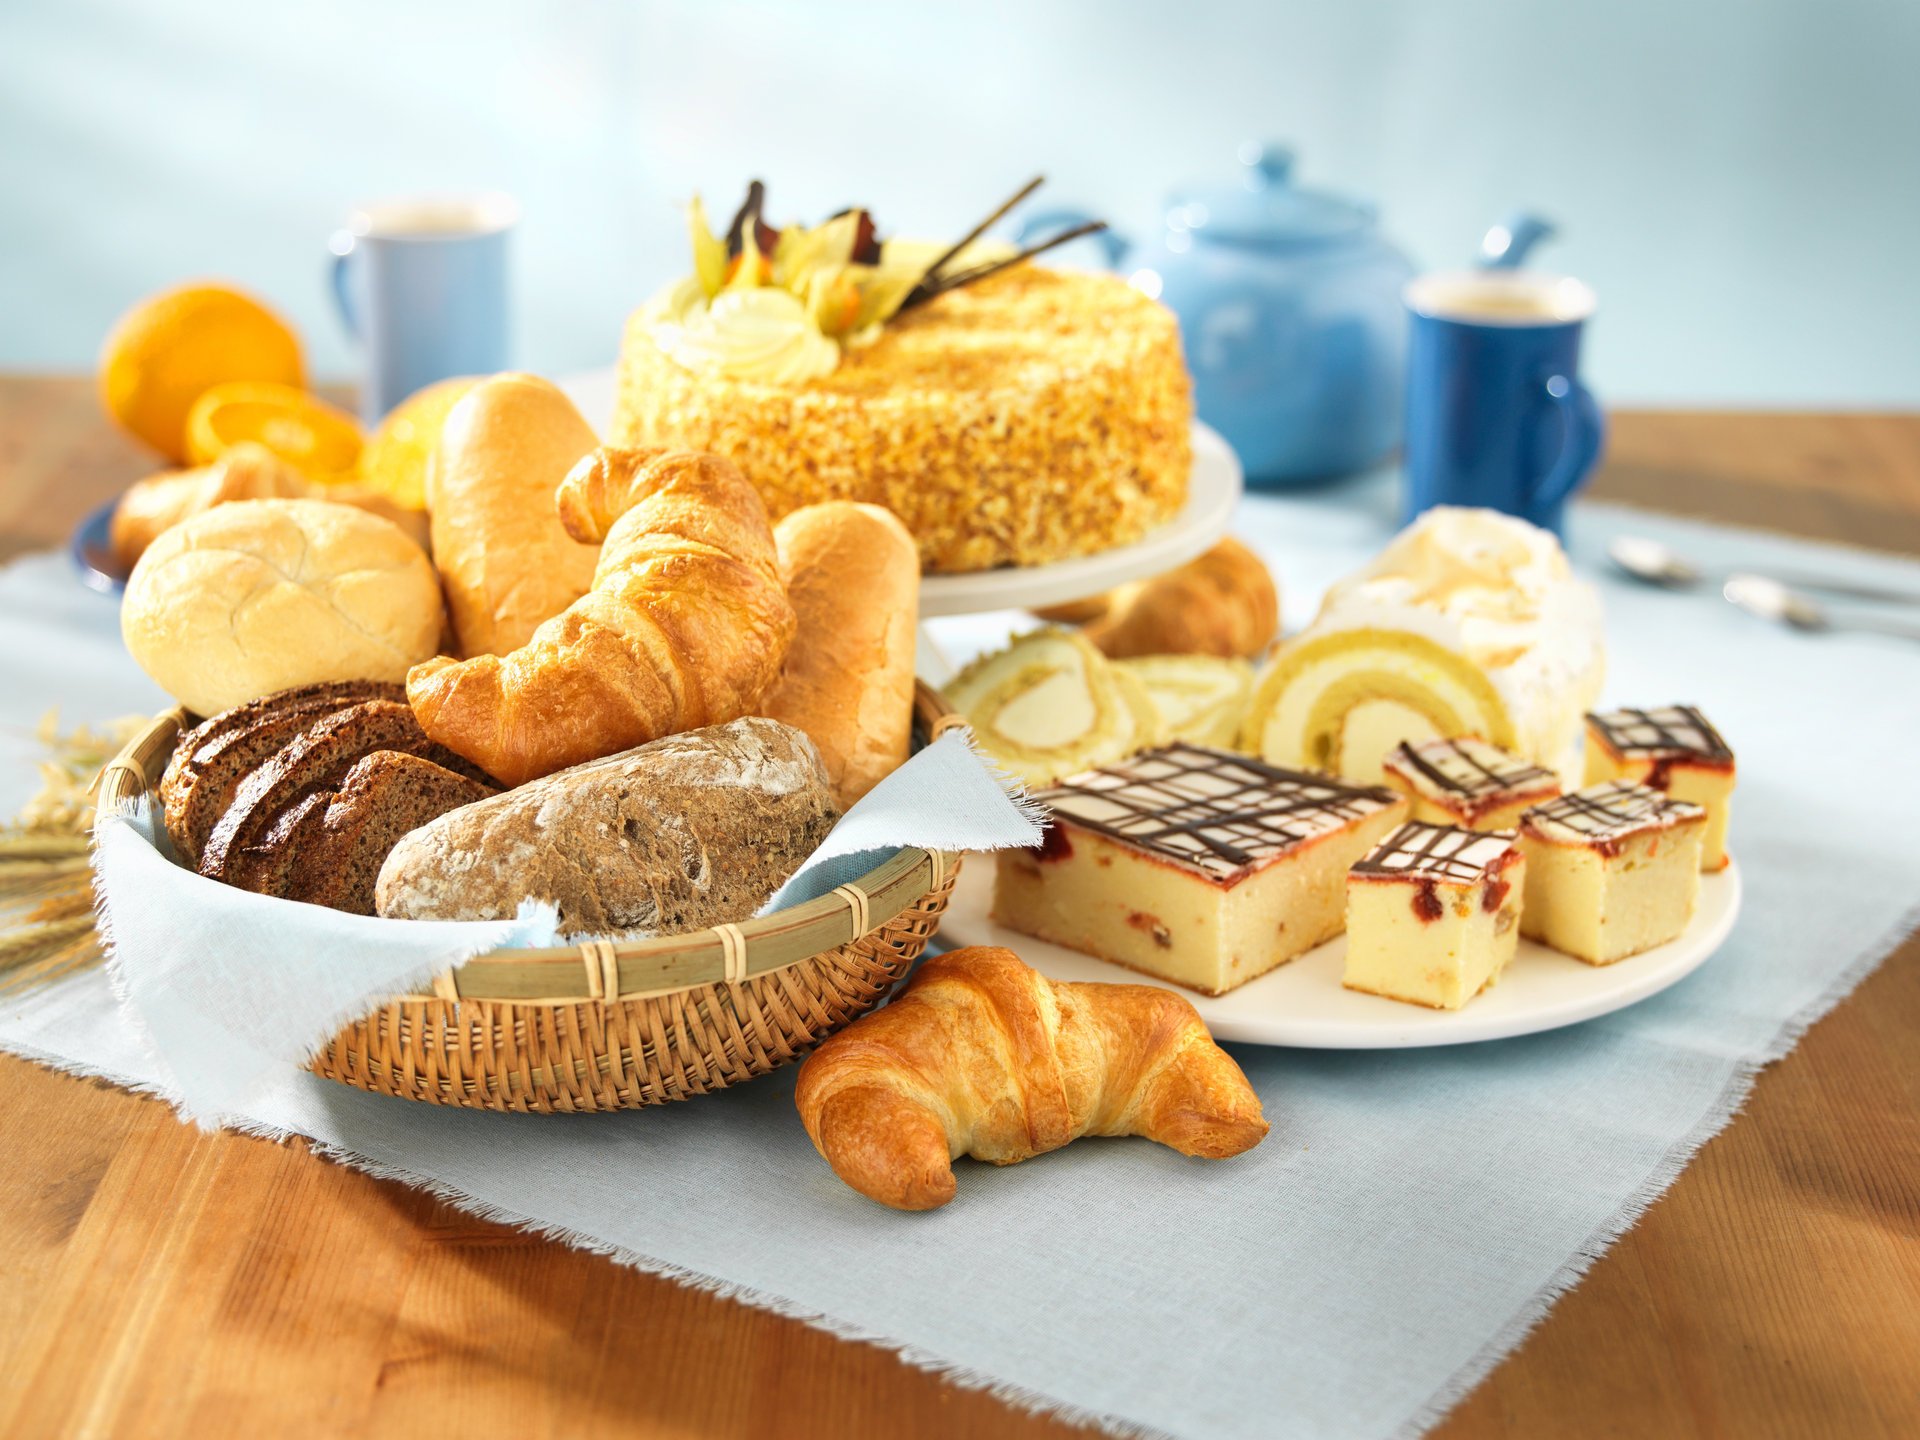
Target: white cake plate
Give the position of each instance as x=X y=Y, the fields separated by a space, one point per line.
x=1303 y=1004
x=1212 y=494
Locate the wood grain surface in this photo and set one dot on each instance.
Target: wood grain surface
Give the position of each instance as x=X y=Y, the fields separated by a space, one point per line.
x=158 y=1282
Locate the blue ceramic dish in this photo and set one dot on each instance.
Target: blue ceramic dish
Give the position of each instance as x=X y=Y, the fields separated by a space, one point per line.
x=92 y=550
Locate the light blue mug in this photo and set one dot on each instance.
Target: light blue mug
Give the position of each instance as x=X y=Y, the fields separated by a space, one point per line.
x=1496 y=413
x=422 y=286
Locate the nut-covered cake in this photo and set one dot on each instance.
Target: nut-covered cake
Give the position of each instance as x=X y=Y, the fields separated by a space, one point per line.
x=1024 y=417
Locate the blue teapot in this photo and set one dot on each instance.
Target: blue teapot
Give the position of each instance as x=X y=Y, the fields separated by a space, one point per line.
x=1289 y=305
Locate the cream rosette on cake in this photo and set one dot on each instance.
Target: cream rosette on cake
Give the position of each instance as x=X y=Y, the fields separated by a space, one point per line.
x=1469 y=623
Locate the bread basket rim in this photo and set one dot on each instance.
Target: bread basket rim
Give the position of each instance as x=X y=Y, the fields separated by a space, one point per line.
x=599 y=970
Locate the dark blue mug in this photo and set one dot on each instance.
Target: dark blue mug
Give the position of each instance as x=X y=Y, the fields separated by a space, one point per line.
x=1496 y=413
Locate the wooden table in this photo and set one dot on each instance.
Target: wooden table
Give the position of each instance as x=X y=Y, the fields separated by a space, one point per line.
x=158 y=1282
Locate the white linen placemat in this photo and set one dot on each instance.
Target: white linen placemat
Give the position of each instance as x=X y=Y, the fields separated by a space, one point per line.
x=1412 y=1213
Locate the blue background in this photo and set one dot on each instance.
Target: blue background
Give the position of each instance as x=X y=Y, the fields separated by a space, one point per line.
x=1735 y=179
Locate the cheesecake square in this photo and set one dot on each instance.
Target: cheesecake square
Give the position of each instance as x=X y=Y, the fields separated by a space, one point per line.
x=1198 y=866
x=1674 y=749
x=1467 y=782
x=1433 y=914
x=1612 y=869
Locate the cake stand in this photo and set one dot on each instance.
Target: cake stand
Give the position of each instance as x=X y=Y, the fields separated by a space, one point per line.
x=1211 y=497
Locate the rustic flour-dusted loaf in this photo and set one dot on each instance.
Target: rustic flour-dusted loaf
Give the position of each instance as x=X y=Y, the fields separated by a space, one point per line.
x=687 y=831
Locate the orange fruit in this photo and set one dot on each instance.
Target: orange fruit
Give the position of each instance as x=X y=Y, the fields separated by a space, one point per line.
x=319 y=441
x=395 y=460
x=165 y=352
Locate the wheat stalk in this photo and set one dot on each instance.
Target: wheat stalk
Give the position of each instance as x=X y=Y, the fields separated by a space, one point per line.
x=46 y=888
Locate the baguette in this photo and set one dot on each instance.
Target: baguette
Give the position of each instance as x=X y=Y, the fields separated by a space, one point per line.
x=853 y=574
x=505 y=561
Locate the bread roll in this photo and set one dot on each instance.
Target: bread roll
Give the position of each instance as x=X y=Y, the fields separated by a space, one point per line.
x=504 y=558
x=692 y=830
x=1222 y=603
x=853 y=575
x=245 y=472
x=264 y=595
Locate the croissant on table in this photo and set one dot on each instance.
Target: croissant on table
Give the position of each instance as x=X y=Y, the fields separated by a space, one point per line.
x=685 y=626
x=981 y=1055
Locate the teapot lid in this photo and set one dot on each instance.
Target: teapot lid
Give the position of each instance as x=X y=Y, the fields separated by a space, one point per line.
x=1267 y=208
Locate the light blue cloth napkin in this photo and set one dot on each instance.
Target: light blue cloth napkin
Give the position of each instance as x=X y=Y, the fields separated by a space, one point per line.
x=947 y=797
x=234 y=990
x=1412 y=1212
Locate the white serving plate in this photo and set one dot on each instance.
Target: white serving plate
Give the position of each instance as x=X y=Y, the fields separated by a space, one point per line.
x=1303 y=1004
x=1212 y=494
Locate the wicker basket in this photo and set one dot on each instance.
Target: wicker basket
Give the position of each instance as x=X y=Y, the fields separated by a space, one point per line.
x=606 y=1027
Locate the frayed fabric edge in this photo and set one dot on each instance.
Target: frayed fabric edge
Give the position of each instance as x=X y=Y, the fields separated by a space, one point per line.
x=1720 y=1114
x=1012 y=785
x=411 y=981
x=1464 y=1380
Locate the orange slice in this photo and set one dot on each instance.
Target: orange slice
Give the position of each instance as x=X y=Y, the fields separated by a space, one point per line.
x=312 y=436
x=395 y=460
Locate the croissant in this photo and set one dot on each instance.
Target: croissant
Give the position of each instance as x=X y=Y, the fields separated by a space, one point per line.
x=1222 y=603
x=980 y=1055
x=685 y=626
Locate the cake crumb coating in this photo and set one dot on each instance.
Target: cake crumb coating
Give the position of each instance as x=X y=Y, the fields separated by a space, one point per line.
x=1034 y=416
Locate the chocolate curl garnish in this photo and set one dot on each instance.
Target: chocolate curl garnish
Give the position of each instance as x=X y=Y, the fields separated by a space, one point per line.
x=764 y=235
x=974 y=234
x=940 y=285
x=866 y=240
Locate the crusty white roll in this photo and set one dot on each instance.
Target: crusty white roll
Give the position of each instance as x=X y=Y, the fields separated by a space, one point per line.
x=853 y=574
x=506 y=561
x=259 y=596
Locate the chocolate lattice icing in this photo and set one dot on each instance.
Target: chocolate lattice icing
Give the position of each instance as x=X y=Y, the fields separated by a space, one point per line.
x=1215 y=811
x=1467 y=767
x=1607 y=811
x=1671 y=732
x=1419 y=851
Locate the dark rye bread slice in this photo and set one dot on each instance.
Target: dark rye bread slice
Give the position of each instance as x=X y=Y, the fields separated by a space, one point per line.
x=317 y=759
x=273 y=864
x=384 y=796
x=211 y=761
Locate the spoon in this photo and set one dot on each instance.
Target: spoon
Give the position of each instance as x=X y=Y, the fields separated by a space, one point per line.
x=1659 y=564
x=1766 y=597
